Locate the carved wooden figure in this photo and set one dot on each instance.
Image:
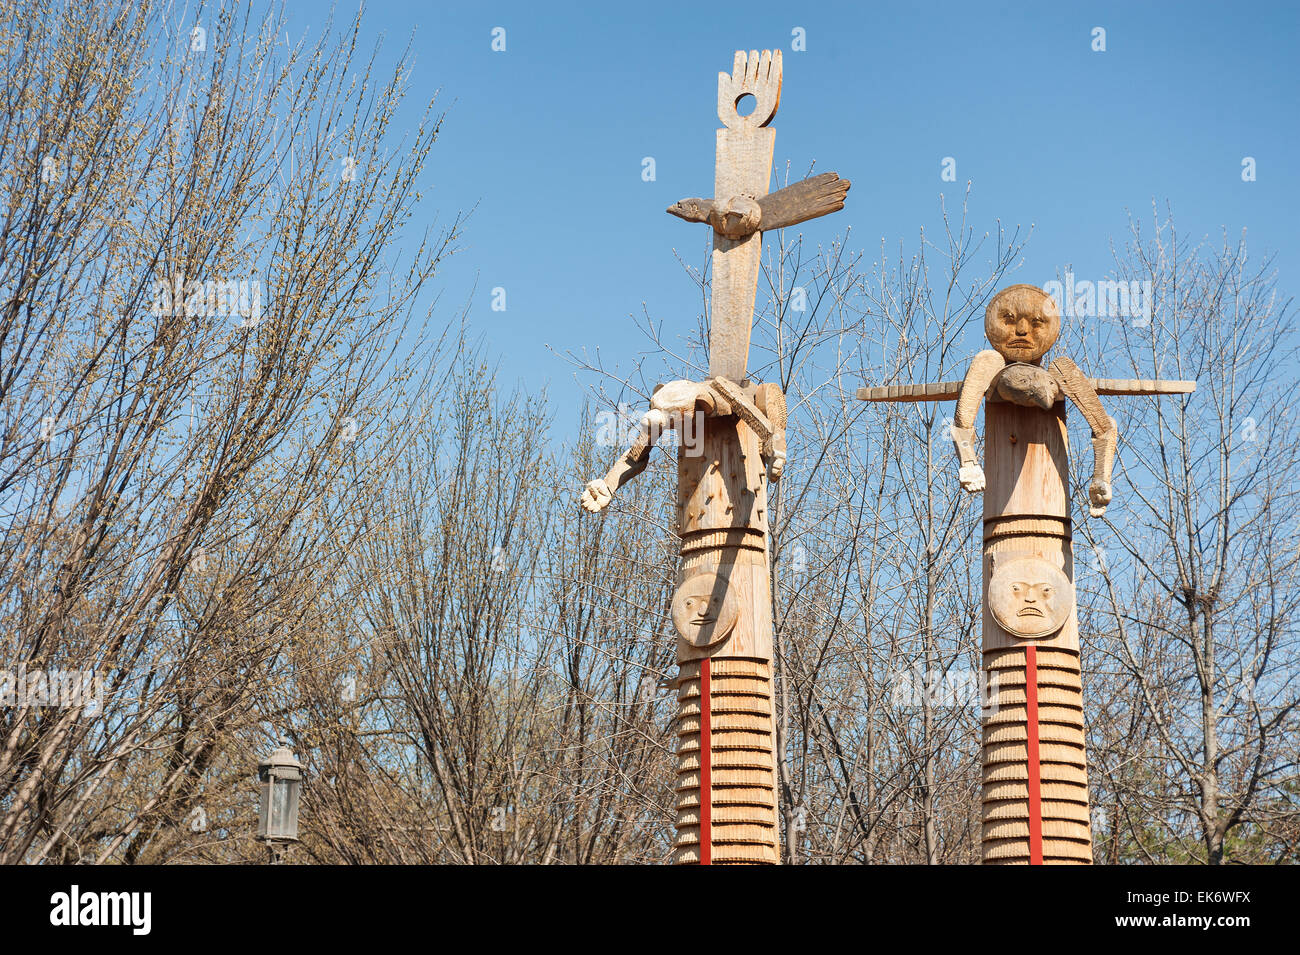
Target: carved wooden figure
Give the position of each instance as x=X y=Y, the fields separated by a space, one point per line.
x=1035 y=791
x=722 y=607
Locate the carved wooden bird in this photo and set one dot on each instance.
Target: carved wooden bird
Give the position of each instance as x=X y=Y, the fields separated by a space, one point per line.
x=739 y=216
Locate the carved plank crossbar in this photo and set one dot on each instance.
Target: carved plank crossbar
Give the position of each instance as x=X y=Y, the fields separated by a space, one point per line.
x=950 y=390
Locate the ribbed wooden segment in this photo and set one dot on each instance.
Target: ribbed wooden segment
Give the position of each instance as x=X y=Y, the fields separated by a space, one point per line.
x=1017 y=714
x=1018 y=789
x=1062 y=761
x=743 y=820
x=1055 y=852
x=1003 y=809
x=1012 y=663
x=688 y=780
x=755 y=687
x=727 y=740
x=753 y=722
x=1013 y=695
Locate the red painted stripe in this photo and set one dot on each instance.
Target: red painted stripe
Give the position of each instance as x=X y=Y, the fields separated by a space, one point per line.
x=706 y=766
x=1035 y=782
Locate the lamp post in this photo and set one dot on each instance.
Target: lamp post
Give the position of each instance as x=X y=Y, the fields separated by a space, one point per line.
x=280 y=777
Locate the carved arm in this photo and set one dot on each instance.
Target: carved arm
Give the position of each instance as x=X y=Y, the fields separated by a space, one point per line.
x=1105 y=433
x=984 y=368
x=669 y=404
x=766 y=417
x=600 y=492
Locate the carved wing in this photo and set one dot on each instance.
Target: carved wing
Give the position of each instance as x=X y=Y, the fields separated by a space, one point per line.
x=815 y=196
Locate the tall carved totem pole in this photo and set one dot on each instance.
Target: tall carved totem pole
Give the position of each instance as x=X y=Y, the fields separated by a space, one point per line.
x=722 y=607
x=1035 y=792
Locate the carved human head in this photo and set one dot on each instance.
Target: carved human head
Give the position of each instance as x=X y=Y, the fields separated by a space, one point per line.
x=704 y=610
x=1030 y=597
x=1022 y=323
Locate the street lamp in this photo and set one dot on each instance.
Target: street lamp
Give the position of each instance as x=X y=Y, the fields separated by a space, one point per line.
x=280 y=776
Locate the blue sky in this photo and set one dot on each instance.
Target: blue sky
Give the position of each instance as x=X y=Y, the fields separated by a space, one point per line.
x=548 y=137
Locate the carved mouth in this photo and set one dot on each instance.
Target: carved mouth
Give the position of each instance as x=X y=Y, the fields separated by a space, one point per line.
x=700 y=620
x=1029 y=612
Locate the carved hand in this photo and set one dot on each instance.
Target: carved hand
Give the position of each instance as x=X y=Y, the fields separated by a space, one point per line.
x=972 y=477
x=758 y=74
x=1099 y=495
x=596 y=496
x=776 y=465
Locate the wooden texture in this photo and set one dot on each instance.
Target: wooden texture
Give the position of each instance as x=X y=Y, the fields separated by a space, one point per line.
x=734 y=764
x=1025 y=465
x=739 y=216
x=1033 y=729
x=1141 y=386
x=1079 y=389
x=1035 y=791
x=742 y=167
x=813 y=197
x=722 y=523
x=745 y=409
x=981 y=374
x=951 y=390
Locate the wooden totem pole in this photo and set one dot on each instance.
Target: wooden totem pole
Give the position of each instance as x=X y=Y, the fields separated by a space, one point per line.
x=1035 y=790
x=722 y=607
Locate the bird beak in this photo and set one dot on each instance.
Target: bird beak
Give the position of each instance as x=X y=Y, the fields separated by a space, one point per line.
x=688 y=209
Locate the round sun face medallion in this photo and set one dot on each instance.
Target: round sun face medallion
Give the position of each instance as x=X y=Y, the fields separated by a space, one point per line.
x=704 y=610
x=1030 y=597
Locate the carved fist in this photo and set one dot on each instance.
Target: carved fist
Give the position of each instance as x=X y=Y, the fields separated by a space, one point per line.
x=596 y=495
x=972 y=477
x=776 y=466
x=1099 y=495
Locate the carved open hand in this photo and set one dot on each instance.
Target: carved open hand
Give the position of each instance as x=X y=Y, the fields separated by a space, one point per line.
x=596 y=495
x=1099 y=495
x=972 y=477
x=758 y=75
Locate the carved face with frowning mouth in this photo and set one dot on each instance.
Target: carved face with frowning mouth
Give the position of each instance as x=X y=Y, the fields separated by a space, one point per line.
x=1022 y=323
x=1033 y=597
x=1030 y=597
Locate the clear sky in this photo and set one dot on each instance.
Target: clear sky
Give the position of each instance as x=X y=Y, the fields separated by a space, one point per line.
x=548 y=137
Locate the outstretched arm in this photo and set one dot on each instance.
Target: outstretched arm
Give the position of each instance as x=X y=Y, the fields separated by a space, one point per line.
x=984 y=368
x=1105 y=433
x=668 y=405
x=600 y=492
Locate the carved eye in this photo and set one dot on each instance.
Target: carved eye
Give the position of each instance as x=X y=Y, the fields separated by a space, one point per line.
x=1047 y=591
x=1015 y=588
